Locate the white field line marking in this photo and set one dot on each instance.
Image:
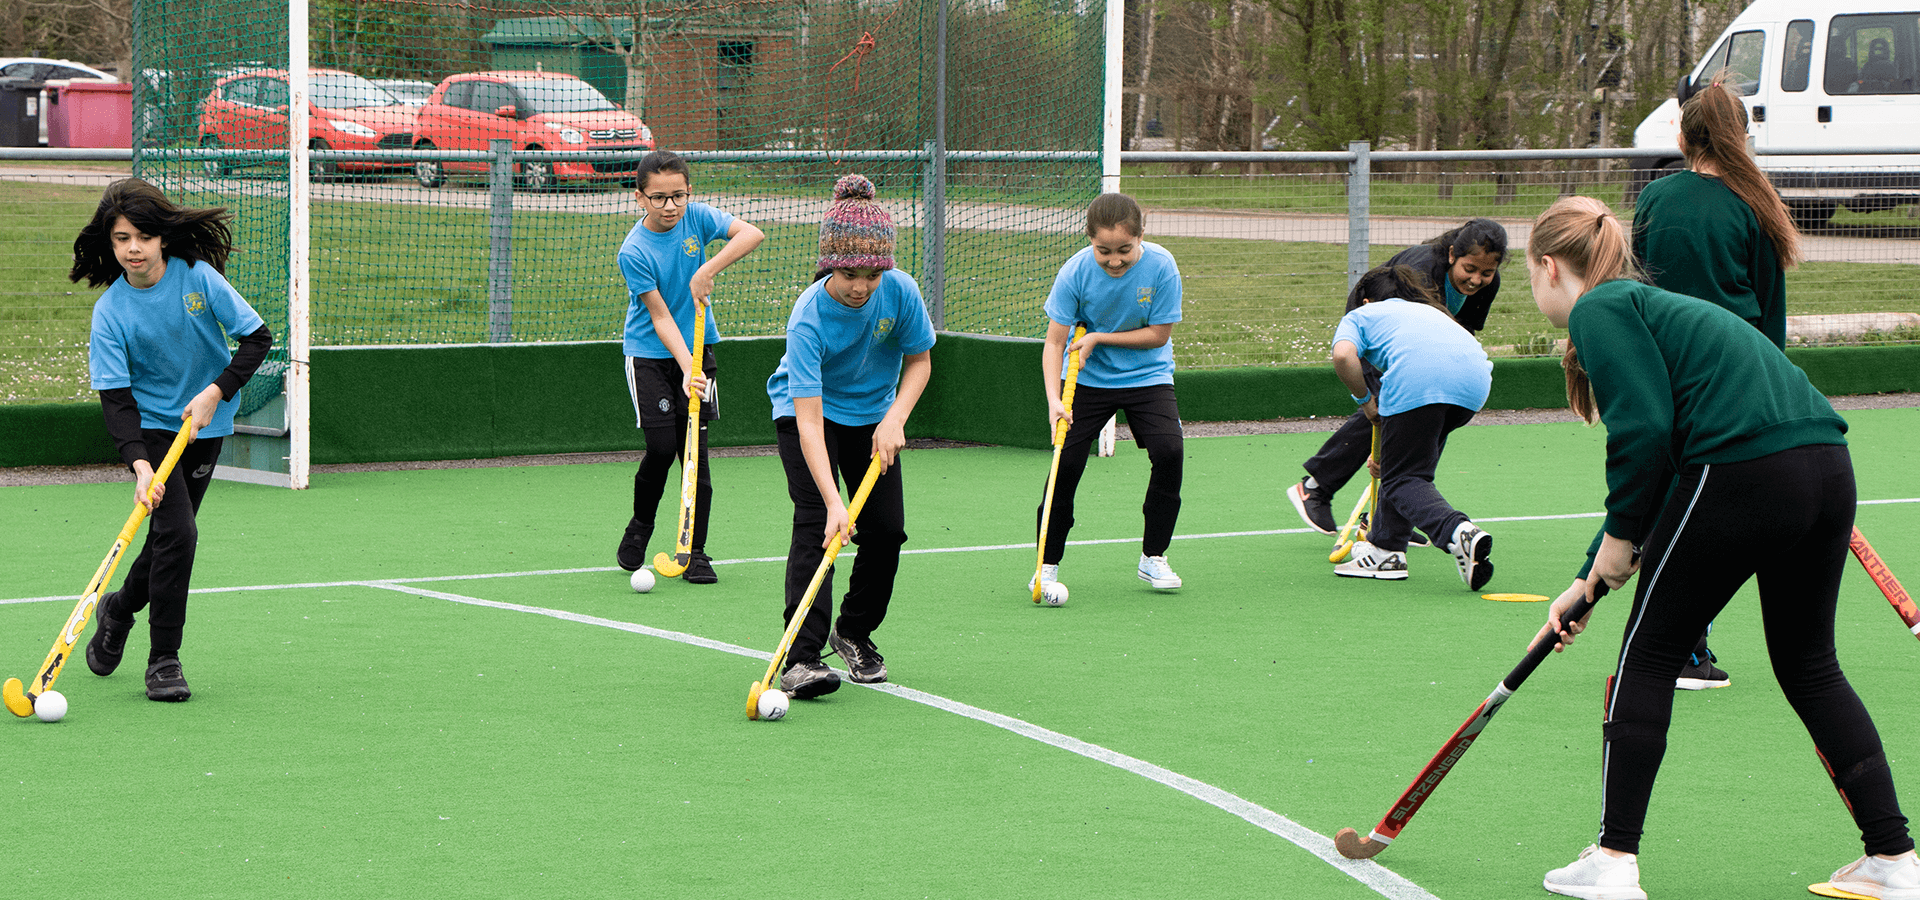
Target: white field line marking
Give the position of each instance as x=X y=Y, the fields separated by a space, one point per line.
x=849 y=553
x=1376 y=877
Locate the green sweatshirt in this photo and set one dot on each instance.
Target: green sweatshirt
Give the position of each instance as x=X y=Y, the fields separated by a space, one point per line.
x=1696 y=237
x=1680 y=381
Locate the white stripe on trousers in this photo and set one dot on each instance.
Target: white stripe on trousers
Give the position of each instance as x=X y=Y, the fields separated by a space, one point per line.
x=1666 y=555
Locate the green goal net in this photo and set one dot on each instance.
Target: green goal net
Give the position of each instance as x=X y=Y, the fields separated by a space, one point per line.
x=469 y=164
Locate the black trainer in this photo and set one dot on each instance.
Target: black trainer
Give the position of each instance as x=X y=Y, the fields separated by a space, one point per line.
x=1313 y=506
x=699 y=569
x=1414 y=537
x=632 y=553
x=1701 y=674
x=803 y=680
x=109 y=640
x=165 y=681
x=864 y=663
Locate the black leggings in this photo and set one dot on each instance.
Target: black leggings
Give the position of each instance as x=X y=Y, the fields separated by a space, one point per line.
x=1410 y=446
x=1783 y=520
x=879 y=531
x=1347 y=448
x=660 y=409
x=1153 y=414
x=161 y=575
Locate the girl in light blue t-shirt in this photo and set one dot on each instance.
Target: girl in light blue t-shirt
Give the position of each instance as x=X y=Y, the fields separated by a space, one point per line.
x=859 y=346
x=1126 y=291
x=1433 y=377
x=157 y=353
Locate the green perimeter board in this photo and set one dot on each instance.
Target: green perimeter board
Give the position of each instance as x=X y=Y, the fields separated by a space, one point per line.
x=340 y=724
x=382 y=404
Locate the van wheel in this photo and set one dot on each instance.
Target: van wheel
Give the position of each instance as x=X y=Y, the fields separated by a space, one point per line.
x=535 y=176
x=215 y=168
x=429 y=172
x=1810 y=214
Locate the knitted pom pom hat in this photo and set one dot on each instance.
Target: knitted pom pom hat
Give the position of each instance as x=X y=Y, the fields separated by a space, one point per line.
x=857 y=233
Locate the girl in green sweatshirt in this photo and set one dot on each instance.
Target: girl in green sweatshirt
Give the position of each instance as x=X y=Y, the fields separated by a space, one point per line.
x=1723 y=465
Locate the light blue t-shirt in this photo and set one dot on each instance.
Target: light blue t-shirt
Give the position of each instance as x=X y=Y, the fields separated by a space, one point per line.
x=1149 y=294
x=665 y=261
x=168 y=342
x=851 y=358
x=1423 y=355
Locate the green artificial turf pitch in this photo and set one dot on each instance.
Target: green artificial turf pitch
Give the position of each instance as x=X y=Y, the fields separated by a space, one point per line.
x=379 y=712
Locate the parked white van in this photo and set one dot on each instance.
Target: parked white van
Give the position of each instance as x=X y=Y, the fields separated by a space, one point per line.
x=1817 y=74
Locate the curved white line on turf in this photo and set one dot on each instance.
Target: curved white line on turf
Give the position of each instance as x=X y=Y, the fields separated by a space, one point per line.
x=1376 y=877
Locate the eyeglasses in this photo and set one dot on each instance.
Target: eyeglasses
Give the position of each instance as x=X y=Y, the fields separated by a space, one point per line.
x=675 y=199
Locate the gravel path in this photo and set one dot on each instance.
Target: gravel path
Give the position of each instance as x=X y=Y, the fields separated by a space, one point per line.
x=96 y=474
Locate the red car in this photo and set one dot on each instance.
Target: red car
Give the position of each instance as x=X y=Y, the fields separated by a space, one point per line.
x=248 y=110
x=534 y=110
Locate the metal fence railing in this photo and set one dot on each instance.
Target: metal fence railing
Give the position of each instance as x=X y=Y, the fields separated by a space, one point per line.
x=1267 y=242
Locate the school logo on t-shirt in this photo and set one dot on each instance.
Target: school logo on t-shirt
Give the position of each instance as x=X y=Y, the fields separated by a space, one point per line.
x=195 y=304
x=882 y=328
x=692 y=246
x=1145 y=297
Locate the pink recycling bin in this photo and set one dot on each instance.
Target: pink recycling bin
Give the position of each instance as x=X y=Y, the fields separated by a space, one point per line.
x=90 y=114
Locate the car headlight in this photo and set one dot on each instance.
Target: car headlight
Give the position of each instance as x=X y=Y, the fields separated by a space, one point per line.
x=567 y=134
x=354 y=128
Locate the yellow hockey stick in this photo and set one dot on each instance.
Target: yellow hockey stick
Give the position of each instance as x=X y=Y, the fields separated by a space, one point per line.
x=1053 y=473
x=813 y=589
x=672 y=566
x=1369 y=499
x=19 y=701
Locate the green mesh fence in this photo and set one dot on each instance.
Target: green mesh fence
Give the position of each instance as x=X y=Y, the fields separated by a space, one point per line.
x=771 y=100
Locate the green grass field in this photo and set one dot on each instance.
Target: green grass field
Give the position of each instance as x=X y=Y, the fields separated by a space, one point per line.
x=434 y=682
x=401 y=273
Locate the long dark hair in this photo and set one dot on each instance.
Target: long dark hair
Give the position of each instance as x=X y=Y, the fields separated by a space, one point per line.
x=194 y=235
x=1384 y=282
x=1714 y=123
x=1476 y=236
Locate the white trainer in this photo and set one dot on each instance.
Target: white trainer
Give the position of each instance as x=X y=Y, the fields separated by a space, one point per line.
x=1049 y=573
x=1888 y=879
x=1598 y=876
x=1155 y=571
x=1368 y=561
x=1471 y=547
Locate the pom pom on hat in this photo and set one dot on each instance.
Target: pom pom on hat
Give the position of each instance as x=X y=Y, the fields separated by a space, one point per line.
x=856 y=233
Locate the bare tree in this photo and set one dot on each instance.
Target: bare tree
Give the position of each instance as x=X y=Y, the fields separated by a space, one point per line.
x=96 y=32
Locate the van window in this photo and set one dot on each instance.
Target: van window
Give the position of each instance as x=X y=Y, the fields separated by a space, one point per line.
x=1797 y=64
x=1874 y=54
x=1744 y=53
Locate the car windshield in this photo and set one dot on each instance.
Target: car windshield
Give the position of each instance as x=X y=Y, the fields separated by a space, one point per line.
x=348 y=92
x=562 y=95
x=403 y=89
